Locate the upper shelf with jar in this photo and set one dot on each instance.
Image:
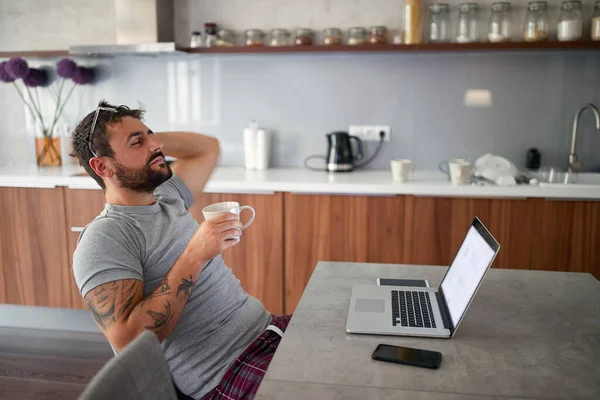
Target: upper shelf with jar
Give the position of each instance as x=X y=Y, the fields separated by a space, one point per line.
x=424 y=30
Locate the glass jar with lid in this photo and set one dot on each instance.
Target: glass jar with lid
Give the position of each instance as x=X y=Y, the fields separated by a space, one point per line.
x=210 y=34
x=196 y=40
x=536 y=22
x=254 y=37
x=332 y=36
x=303 y=37
x=439 y=23
x=356 y=36
x=596 y=22
x=468 y=23
x=378 y=35
x=225 y=38
x=500 y=27
x=570 y=25
x=279 y=37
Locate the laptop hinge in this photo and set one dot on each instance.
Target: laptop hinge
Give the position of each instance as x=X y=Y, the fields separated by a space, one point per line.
x=444 y=311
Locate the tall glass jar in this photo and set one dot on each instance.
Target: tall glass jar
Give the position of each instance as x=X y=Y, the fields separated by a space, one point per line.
x=536 y=22
x=570 y=25
x=210 y=34
x=279 y=37
x=468 y=23
x=356 y=36
x=439 y=23
x=413 y=21
x=596 y=22
x=500 y=27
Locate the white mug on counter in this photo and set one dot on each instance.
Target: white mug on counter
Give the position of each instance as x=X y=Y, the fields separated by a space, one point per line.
x=227 y=207
x=458 y=169
x=400 y=169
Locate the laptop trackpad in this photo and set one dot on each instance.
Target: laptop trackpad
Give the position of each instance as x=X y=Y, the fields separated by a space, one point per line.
x=370 y=305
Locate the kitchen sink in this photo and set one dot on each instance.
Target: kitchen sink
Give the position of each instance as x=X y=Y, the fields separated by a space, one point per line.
x=582 y=179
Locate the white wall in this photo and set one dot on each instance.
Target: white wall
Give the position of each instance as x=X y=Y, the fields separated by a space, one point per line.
x=55 y=24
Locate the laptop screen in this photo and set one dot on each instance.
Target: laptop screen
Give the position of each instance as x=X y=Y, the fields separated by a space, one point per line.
x=467 y=270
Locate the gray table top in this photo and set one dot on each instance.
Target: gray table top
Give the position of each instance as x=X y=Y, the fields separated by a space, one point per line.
x=530 y=334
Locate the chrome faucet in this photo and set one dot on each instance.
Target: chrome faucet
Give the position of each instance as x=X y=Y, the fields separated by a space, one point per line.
x=574 y=166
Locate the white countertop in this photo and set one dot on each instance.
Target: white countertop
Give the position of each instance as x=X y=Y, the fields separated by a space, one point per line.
x=297 y=180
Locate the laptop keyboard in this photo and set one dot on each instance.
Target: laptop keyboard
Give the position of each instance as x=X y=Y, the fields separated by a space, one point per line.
x=412 y=309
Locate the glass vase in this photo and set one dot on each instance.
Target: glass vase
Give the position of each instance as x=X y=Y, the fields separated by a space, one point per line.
x=47 y=151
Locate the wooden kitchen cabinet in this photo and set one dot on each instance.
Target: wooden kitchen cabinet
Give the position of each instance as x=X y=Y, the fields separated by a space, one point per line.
x=39 y=230
x=436 y=226
x=33 y=247
x=257 y=261
x=339 y=228
x=81 y=206
x=398 y=229
x=566 y=236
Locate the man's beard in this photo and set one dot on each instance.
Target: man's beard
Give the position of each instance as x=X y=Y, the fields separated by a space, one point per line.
x=144 y=179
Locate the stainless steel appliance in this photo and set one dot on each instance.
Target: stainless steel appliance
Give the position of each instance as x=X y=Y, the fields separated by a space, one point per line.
x=141 y=27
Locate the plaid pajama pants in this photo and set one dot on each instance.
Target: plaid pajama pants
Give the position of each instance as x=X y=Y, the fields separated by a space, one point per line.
x=242 y=379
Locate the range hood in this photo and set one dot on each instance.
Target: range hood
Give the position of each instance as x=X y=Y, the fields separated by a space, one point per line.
x=142 y=27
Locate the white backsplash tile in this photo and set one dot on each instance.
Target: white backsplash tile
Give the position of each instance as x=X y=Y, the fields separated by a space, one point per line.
x=302 y=97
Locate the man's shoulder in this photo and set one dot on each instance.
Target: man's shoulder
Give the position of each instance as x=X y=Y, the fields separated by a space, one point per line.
x=111 y=221
x=111 y=228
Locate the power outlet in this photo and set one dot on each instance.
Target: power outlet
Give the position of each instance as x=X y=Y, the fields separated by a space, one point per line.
x=370 y=133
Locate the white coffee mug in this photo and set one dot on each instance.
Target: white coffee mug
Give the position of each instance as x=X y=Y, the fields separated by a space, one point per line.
x=400 y=169
x=213 y=210
x=458 y=169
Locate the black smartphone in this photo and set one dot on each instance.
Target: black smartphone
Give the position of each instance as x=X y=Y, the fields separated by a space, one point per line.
x=408 y=356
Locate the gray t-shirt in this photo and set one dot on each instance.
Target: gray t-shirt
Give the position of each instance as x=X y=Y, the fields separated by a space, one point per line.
x=143 y=242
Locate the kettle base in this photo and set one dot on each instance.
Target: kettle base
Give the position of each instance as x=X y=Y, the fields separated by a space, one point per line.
x=334 y=167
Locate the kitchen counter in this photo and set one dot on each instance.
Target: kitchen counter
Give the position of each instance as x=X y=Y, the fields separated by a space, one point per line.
x=298 y=180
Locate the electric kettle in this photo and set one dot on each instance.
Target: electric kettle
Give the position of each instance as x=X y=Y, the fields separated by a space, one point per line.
x=340 y=156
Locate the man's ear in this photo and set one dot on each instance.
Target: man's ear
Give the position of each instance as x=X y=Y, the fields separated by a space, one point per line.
x=100 y=167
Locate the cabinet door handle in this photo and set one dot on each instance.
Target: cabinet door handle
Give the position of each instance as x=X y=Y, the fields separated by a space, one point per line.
x=77 y=228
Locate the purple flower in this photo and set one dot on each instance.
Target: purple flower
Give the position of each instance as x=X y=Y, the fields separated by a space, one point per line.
x=4 y=75
x=35 y=78
x=17 y=68
x=66 y=68
x=83 y=76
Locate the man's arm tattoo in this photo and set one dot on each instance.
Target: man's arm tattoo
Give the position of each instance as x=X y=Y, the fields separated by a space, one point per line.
x=186 y=287
x=108 y=302
x=163 y=288
x=161 y=319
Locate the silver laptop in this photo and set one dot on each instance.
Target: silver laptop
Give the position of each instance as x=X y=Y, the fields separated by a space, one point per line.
x=419 y=311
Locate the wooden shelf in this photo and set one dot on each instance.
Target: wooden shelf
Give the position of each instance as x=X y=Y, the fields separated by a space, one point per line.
x=34 y=53
x=425 y=47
